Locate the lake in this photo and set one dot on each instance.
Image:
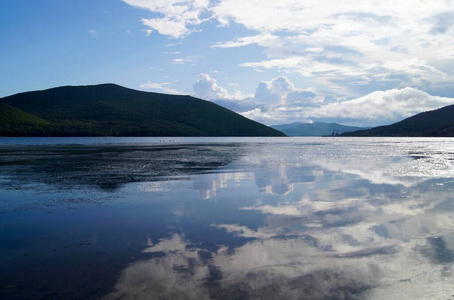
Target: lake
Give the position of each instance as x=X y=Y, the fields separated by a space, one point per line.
x=226 y=218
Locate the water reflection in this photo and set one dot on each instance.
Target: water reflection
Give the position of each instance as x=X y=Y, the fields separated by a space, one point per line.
x=332 y=229
x=332 y=219
x=209 y=186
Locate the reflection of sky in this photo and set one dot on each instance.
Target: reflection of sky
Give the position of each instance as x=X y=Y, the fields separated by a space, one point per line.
x=322 y=221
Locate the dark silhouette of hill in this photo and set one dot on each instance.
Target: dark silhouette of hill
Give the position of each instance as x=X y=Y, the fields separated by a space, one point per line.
x=314 y=129
x=439 y=122
x=113 y=110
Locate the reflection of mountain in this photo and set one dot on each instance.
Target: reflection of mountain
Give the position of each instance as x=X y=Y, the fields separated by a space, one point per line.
x=108 y=167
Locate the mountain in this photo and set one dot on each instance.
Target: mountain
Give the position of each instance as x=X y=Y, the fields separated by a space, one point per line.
x=439 y=122
x=113 y=110
x=13 y=121
x=314 y=129
x=13 y=116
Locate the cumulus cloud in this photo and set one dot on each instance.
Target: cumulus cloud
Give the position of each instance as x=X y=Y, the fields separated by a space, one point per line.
x=301 y=97
x=374 y=109
x=207 y=88
x=273 y=101
x=281 y=89
x=279 y=101
x=273 y=90
x=392 y=104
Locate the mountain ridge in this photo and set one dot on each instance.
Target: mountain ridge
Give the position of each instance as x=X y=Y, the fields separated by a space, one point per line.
x=112 y=110
x=434 y=123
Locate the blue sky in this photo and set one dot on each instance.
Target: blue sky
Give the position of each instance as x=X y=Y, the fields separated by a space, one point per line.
x=359 y=63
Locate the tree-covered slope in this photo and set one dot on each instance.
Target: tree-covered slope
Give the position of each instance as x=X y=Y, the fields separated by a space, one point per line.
x=314 y=129
x=112 y=110
x=13 y=116
x=439 y=122
x=14 y=121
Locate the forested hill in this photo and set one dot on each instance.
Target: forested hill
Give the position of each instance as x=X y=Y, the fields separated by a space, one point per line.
x=439 y=122
x=113 y=110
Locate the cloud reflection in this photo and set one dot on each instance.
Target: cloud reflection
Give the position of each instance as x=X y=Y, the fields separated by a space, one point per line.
x=346 y=229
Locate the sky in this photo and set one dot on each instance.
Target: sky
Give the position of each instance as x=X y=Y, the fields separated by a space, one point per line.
x=363 y=63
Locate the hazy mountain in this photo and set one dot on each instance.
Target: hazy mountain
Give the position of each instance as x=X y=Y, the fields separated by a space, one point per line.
x=112 y=110
x=439 y=122
x=314 y=129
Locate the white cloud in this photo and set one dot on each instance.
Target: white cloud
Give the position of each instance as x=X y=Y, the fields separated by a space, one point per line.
x=260 y=39
x=207 y=88
x=272 y=102
x=161 y=87
x=356 y=44
x=376 y=108
x=351 y=47
x=166 y=26
x=278 y=101
x=177 y=16
x=277 y=87
x=192 y=60
x=265 y=91
x=148 y=31
x=174 y=44
x=178 y=61
x=281 y=89
x=392 y=104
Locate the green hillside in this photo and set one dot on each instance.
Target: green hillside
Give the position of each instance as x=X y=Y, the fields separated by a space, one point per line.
x=438 y=122
x=13 y=116
x=13 y=121
x=112 y=110
x=314 y=129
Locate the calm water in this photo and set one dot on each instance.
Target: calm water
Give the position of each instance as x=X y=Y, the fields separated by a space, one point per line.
x=249 y=218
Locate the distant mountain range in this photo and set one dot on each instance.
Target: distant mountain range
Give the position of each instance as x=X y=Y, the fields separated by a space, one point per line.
x=113 y=110
x=439 y=122
x=314 y=129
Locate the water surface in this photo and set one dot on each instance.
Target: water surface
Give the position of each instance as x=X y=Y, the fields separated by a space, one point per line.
x=226 y=218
